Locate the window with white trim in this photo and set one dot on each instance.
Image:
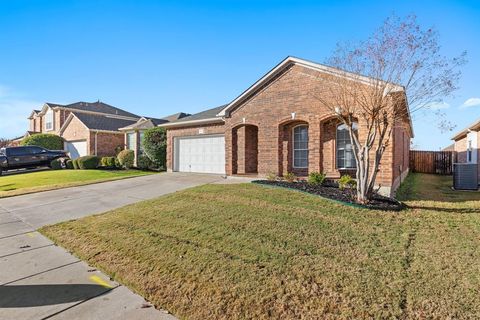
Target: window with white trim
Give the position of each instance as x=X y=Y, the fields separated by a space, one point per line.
x=131 y=141
x=345 y=157
x=49 y=120
x=300 y=146
x=469 y=151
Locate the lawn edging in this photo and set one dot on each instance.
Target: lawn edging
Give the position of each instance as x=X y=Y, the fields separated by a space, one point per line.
x=401 y=206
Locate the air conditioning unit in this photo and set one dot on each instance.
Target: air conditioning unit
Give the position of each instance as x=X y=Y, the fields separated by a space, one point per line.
x=465 y=176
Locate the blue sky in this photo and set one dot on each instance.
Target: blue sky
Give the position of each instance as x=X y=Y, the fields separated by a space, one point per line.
x=156 y=58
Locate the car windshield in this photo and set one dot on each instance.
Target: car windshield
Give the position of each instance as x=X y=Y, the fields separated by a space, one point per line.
x=2 y=151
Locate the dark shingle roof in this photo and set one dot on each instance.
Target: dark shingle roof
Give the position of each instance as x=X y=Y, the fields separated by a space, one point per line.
x=210 y=113
x=102 y=122
x=99 y=107
x=176 y=116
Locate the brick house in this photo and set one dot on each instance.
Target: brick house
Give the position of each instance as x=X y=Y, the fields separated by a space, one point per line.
x=92 y=128
x=467 y=144
x=278 y=126
x=134 y=132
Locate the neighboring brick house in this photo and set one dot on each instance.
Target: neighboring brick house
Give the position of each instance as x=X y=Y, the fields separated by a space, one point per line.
x=92 y=128
x=278 y=126
x=134 y=132
x=467 y=144
x=88 y=128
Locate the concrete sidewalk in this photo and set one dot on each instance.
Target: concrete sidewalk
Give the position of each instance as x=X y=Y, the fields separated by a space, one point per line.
x=39 y=280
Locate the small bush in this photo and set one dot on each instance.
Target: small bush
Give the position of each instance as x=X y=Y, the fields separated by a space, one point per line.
x=69 y=164
x=56 y=164
x=108 y=162
x=346 y=182
x=316 y=178
x=144 y=163
x=126 y=158
x=88 y=162
x=290 y=177
x=271 y=176
x=45 y=140
x=75 y=164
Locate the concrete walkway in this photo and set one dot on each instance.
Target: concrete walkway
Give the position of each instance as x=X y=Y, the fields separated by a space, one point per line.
x=39 y=280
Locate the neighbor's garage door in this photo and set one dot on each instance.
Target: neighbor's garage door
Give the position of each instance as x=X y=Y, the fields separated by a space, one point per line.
x=76 y=148
x=205 y=154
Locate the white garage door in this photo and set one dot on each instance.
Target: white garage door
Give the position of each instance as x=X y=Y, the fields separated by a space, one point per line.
x=205 y=154
x=76 y=148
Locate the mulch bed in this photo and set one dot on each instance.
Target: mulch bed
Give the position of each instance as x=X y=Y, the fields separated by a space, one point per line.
x=330 y=190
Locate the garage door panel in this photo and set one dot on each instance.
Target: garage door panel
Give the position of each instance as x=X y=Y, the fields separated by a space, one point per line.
x=76 y=149
x=204 y=154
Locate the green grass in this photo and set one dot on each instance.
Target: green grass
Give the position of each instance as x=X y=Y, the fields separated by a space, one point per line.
x=17 y=184
x=246 y=251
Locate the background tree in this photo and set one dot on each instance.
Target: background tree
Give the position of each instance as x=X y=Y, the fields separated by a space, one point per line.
x=398 y=68
x=45 y=140
x=155 y=146
x=4 y=142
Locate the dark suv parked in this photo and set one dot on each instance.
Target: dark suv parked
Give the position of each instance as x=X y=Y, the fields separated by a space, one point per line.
x=27 y=157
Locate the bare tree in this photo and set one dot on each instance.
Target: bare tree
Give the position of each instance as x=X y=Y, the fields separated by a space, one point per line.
x=4 y=142
x=397 y=71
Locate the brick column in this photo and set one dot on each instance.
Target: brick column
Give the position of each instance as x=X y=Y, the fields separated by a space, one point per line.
x=229 y=154
x=314 y=146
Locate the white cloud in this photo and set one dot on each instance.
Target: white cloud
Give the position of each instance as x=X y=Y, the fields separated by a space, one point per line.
x=14 y=111
x=437 y=105
x=472 y=102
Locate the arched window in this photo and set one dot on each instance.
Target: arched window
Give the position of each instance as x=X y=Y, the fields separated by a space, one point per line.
x=345 y=157
x=300 y=146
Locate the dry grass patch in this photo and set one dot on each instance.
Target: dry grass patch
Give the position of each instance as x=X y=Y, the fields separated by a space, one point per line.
x=245 y=251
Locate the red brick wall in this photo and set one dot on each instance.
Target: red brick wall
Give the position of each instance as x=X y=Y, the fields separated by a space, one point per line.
x=105 y=143
x=75 y=131
x=270 y=109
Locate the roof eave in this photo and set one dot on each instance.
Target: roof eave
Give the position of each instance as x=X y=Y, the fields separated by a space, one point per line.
x=192 y=122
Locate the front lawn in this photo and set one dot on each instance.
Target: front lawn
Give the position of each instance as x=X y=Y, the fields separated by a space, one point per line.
x=248 y=251
x=29 y=182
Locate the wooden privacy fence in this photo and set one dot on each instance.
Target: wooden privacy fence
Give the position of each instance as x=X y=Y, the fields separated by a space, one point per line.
x=437 y=162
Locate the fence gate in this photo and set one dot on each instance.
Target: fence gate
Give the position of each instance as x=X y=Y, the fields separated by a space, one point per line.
x=437 y=162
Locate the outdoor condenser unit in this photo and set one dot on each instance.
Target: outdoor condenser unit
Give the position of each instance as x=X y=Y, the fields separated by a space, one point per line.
x=465 y=176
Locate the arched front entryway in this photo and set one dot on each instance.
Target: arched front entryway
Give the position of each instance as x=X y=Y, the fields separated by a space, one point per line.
x=245 y=149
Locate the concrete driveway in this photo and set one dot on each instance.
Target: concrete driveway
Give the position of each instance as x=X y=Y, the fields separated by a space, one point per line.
x=39 y=280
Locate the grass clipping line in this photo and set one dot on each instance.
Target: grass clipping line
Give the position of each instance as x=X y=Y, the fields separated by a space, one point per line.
x=243 y=251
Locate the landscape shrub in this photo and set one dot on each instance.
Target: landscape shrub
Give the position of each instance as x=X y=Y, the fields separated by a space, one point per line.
x=290 y=176
x=45 y=140
x=346 y=181
x=154 y=144
x=56 y=164
x=75 y=164
x=126 y=158
x=271 y=176
x=69 y=164
x=88 y=162
x=316 y=178
x=144 y=163
x=108 y=162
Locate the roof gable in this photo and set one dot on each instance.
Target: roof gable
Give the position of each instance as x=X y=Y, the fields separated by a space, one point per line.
x=98 y=122
x=287 y=63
